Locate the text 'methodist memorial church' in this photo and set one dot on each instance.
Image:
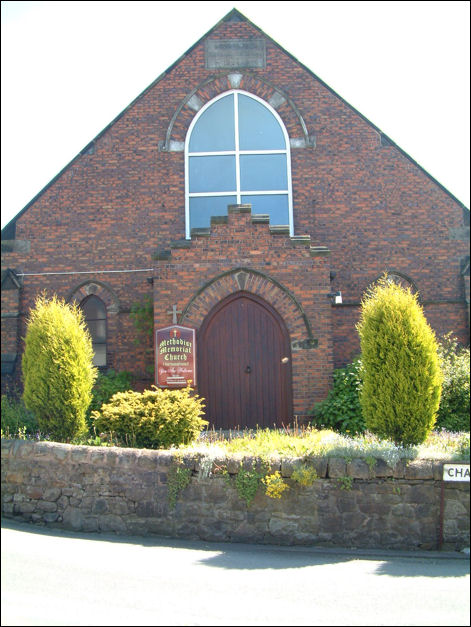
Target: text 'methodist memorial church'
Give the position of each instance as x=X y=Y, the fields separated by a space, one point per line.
x=254 y=207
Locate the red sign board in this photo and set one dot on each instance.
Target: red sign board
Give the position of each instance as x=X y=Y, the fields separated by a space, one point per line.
x=175 y=357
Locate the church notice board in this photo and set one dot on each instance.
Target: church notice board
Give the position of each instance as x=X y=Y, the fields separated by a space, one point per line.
x=175 y=359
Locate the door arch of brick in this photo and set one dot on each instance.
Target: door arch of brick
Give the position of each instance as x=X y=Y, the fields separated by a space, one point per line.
x=257 y=283
x=244 y=364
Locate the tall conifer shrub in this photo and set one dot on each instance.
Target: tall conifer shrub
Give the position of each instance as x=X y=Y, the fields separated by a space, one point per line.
x=58 y=372
x=401 y=371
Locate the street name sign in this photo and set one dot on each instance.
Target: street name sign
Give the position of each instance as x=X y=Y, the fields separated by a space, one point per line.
x=456 y=472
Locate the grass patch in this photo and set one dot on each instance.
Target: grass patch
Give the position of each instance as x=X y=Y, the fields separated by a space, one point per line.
x=310 y=442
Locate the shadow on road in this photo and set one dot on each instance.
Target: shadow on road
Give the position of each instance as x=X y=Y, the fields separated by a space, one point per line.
x=238 y=556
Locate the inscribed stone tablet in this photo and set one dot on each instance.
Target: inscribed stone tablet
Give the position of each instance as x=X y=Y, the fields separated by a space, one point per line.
x=235 y=53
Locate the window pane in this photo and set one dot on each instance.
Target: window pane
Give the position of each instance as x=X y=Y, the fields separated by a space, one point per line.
x=203 y=207
x=214 y=129
x=93 y=307
x=97 y=330
x=212 y=174
x=258 y=127
x=263 y=172
x=99 y=358
x=276 y=206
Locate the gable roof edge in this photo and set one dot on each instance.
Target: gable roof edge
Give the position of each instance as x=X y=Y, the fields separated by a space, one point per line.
x=234 y=12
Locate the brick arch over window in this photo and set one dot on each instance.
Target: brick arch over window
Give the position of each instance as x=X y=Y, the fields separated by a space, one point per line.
x=218 y=84
x=399 y=278
x=252 y=281
x=96 y=288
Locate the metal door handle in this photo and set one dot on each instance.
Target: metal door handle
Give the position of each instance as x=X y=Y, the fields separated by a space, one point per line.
x=248 y=370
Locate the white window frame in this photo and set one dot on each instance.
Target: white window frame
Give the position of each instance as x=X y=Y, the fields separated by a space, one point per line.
x=237 y=153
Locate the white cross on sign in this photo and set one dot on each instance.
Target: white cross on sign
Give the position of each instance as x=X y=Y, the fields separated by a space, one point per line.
x=174 y=313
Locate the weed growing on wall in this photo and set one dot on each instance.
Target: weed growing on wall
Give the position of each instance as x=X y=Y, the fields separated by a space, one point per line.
x=371 y=461
x=178 y=479
x=142 y=316
x=275 y=485
x=304 y=475
x=345 y=483
x=247 y=482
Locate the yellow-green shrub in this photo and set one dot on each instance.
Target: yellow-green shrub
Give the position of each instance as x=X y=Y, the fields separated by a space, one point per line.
x=453 y=413
x=152 y=419
x=401 y=371
x=58 y=372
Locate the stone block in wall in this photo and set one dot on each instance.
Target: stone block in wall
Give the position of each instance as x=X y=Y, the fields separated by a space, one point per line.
x=337 y=467
x=382 y=469
x=358 y=469
x=419 y=469
x=72 y=518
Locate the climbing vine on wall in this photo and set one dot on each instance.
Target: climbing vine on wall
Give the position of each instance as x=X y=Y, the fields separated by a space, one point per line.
x=142 y=315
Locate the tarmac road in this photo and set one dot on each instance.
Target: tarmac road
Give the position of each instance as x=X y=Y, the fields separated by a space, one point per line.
x=52 y=577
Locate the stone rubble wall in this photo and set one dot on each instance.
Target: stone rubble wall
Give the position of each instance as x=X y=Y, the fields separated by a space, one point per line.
x=351 y=504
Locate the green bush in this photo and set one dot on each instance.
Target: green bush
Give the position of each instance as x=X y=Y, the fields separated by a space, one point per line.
x=453 y=414
x=16 y=418
x=152 y=419
x=105 y=386
x=58 y=373
x=341 y=410
x=402 y=380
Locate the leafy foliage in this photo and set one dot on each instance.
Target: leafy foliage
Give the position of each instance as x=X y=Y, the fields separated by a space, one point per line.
x=142 y=315
x=345 y=482
x=247 y=482
x=274 y=485
x=341 y=410
x=16 y=418
x=178 y=479
x=401 y=387
x=58 y=372
x=304 y=475
x=152 y=419
x=106 y=385
x=453 y=413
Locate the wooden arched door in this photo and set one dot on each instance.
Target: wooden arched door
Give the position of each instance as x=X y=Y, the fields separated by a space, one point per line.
x=244 y=364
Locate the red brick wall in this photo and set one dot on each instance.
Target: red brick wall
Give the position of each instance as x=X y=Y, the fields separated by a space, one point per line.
x=118 y=203
x=268 y=273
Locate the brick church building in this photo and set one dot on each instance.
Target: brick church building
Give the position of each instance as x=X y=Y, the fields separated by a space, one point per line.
x=243 y=198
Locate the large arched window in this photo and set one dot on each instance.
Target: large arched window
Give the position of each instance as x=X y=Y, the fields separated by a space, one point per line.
x=94 y=312
x=237 y=151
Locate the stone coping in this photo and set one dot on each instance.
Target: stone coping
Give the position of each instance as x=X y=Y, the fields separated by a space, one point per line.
x=149 y=459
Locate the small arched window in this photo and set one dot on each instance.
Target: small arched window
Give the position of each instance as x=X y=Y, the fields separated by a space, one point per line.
x=237 y=151
x=402 y=280
x=94 y=312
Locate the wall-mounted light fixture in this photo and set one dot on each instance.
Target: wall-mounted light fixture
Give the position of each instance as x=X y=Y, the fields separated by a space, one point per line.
x=336 y=298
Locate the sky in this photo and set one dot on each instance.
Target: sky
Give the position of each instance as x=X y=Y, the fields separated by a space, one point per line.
x=69 y=68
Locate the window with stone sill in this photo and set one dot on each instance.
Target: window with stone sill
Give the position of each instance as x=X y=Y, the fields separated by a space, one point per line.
x=94 y=311
x=237 y=151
